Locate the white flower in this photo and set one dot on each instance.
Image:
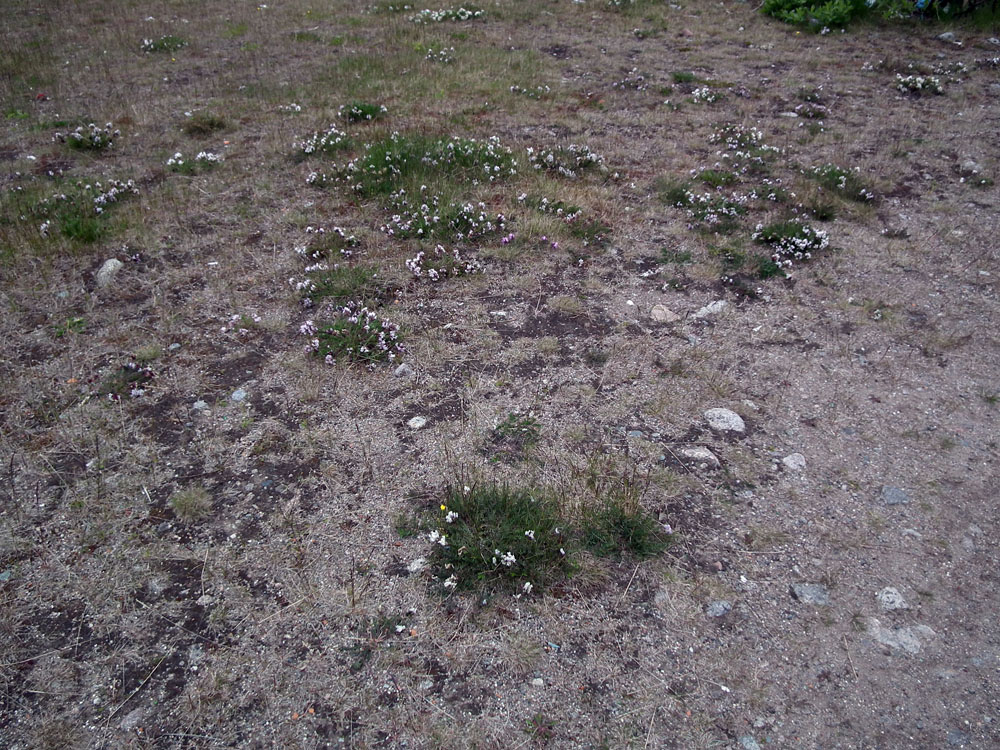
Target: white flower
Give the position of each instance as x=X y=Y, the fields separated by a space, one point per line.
x=530 y=534
x=527 y=587
x=508 y=559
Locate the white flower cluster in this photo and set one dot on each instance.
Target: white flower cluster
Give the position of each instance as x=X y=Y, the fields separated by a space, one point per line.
x=358 y=112
x=91 y=137
x=447 y=14
x=292 y=108
x=797 y=242
x=567 y=161
x=632 y=80
x=705 y=94
x=442 y=265
x=461 y=221
x=915 y=84
x=326 y=141
x=112 y=193
x=444 y=55
x=559 y=208
x=507 y=559
x=356 y=331
x=532 y=93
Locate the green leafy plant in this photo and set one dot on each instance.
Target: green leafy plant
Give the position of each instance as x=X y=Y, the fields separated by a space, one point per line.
x=493 y=538
x=166 y=43
x=355 y=333
x=514 y=436
x=843 y=182
x=361 y=112
x=203 y=124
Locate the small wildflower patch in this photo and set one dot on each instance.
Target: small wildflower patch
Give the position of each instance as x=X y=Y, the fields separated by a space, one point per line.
x=447 y=14
x=791 y=241
x=916 y=84
x=535 y=92
x=567 y=161
x=441 y=264
x=844 y=182
x=496 y=538
x=355 y=333
x=129 y=380
x=89 y=138
x=78 y=212
x=166 y=43
x=361 y=112
x=327 y=141
x=203 y=161
x=443 y=55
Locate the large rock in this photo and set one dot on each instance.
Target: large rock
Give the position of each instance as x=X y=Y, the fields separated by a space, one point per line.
x=725 y=420
x=107 y=272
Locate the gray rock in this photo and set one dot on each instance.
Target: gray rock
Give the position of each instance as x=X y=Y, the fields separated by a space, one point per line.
x=969 y=168
x=107 y=272
x=725 y=420
x=747 y=742
x=200 y=405
x=538 y=682
x=712 y=308
x=993 y=40
x=909 y=640
x=890 y=599
x=663 y=314
x=635 y=434
x=702 y=456
x=958 y=738
x=173 y=347
x=403 y=371
x=239 y=395
x=417 y=565
x=949 y=37
x=811 y=593
x=416 y=423
x=794 y=462
x=719 y=608
x=132 y=720
x=894 y=496
x=788 y=114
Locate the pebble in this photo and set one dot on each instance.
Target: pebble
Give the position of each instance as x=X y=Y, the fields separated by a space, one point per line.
x=426 y=685
x=958 y=738
x=909 y=639
x=239 y=395
x=890 y=599
x=969 y=168
x=894 y=496
x=538 y=682
x=794 y=462
x=107 y=272
x=416 y=423
x=132 y=720
x=200 y=405
x=702 y=456
x=725 y=420
x=949 y=37
x=747 y=742
x=663 y=314
x=403 y=371
x=712 y=308
x=811 y=593
x=173 y=347
x=719 y=608
x=417 y=565
x=635 y=434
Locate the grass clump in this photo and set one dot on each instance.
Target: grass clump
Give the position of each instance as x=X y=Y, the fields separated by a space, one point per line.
x=355 y=334
x=203 y=124
x=343 y=283
x=567 y=161
x=620 y=526
x=514 y=436
x=128 y=380
x=448 y=14
x=191 y=504
x=791 y=241
x=844 y=182
x=79 y=212
x=166 y=43
x=402 y=161
x=327 y=141
x=361 y=112
x=494 y=538
x=89 y=138
x=202 y=162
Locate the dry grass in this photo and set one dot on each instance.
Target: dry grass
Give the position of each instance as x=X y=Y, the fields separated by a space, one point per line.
x=215 y=561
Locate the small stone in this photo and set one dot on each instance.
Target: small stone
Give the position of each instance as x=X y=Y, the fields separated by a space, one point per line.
x=890 y=599
x=725 y=420
x=538 y=682
x=239 y=395
x=403 y=371
x=958 y=738
x=132 y=720
x=993 y=40
x=173 y=347
x=894 y=496
x=417 y=565
x=5 y=576
x=701 y=456
x=712 y=308
x=200 y=405
x=204 y=600
x=425 y=685
x=416 y=423
x=811 y=593
x=788 y=114
x=748 y=743
x=107 y=272
x=663 y=314
x=909 y=639
x=794 y=462
x=949 y=37
x=719 y=608
x=635 y=434
x=969 y=168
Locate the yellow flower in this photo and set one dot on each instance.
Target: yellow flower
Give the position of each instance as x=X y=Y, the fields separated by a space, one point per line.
x=444 y=507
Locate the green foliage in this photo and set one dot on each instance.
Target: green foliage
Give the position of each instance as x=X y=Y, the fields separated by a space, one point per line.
x=494 y=538
x=344 y=283
x=357 y=334
x=515 y=436
x=361 y=112
x=844 y=182
x=673 y=192
x=622 y=527
x=167 y=43
x=813 y=14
